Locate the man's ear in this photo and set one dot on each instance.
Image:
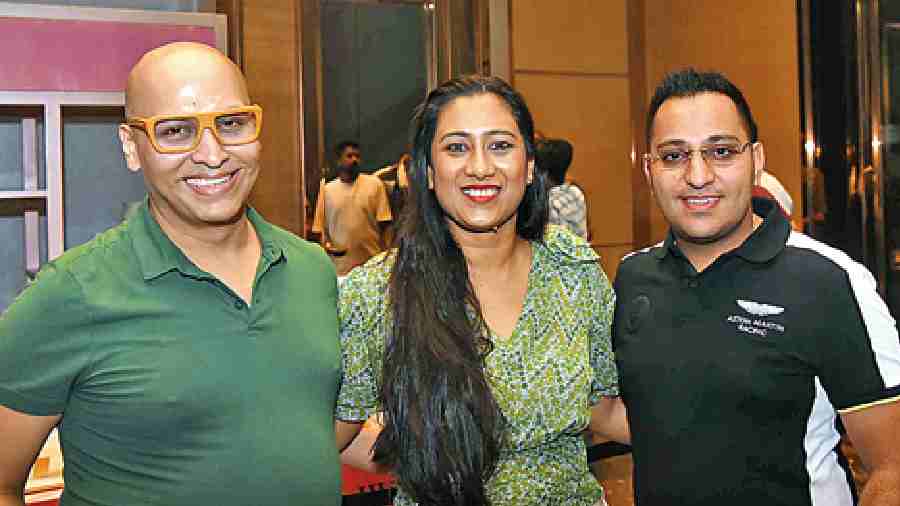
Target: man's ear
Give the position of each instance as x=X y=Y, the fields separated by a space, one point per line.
x=430 y=173
x=129 y=148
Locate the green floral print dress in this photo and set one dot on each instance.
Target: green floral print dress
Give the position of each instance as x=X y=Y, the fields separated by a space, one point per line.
x=557 y=363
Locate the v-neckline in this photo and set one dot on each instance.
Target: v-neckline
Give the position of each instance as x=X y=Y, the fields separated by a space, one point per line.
x=529 y=288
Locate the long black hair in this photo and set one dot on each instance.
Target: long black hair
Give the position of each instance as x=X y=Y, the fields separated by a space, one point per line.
x=443 y=430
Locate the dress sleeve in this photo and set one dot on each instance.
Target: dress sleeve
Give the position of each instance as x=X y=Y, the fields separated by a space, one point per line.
x=858 y=357
x=43 y=344
x=361 y=314
x=605 y=381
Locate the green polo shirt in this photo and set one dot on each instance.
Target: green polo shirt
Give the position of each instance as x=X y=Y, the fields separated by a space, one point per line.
x=174 y=391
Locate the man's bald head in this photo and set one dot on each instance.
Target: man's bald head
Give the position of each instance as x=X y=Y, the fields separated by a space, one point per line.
x=207 y=186
x=182 y=77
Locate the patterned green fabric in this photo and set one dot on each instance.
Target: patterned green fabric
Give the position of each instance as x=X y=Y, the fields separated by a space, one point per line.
x=557 y=363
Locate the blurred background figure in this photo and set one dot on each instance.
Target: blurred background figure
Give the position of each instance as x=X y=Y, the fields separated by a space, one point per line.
x=567 y=205
x=393 y=177
x=770 y=187
x=352 y=212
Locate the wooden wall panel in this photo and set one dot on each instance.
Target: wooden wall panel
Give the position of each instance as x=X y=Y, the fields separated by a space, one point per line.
x=271 y=64
x=643 y=203
x=593 y=114
x=570 y=36
x=755 y=45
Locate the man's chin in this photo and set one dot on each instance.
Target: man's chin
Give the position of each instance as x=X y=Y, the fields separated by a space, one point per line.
x=224 y=217
x=704 y=237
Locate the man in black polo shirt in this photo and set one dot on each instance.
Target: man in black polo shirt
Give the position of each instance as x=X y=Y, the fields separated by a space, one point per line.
x=740 y=342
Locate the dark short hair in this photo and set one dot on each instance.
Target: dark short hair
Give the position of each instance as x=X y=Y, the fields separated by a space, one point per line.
x=554 y=156
x=688 y=83
x=341 y=146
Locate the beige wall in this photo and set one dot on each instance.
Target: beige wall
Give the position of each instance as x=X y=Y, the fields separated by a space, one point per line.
x=572 y=66
x=755 y=45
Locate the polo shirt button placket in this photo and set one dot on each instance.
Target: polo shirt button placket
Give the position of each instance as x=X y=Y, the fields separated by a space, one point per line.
x=238 y=304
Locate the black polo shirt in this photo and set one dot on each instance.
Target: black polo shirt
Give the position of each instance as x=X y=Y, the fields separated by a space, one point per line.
x=733 y=376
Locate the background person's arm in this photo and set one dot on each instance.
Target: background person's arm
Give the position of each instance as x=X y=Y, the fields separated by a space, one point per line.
x=21 y=438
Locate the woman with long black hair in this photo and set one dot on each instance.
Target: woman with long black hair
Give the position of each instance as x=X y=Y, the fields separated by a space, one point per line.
x=484 y=337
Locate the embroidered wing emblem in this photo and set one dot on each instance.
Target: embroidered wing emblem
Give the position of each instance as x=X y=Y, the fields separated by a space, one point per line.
x=759 y=309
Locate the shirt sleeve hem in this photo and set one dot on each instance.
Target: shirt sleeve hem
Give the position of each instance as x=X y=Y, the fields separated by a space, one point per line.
x=887 y=396
x=18 y=402
x=354 y=415
x=596 y=395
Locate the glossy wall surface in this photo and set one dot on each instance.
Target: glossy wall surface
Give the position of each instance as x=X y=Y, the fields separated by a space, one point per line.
x=374 y=75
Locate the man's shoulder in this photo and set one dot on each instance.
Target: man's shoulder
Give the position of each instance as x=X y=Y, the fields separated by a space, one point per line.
x=110 y=248
x=295 y=245
x=85 y=267
x=370 y=180
x=639 y=260
x=816 y=260
x=386 y=174
x=330 y=184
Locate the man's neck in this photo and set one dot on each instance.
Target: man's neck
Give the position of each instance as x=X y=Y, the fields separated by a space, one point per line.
x=200 y=242
x=348 y=177
x=702 y=255
x=231 y=251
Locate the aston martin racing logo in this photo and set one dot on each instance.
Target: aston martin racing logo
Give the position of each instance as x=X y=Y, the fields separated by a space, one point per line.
x=759 y=309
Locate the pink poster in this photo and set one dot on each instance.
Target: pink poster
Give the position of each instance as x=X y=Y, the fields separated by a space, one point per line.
x=64 y=55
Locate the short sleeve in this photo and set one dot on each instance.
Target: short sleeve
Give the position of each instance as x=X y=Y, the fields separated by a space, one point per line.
x=858 y=358
x=605 y=381
x=319 y=218
x=361 y=311
x=43 y=345
x=382 y=204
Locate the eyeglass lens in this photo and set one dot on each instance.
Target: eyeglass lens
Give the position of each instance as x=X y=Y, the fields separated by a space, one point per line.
x=180 y=133
x=718 y=155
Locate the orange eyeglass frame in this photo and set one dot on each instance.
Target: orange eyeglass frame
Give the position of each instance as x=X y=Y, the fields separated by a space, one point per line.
x=204 y=120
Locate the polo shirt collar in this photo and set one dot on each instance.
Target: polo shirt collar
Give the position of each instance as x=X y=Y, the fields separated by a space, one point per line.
x=157 y=254
x=769 y=239
x=763 y=244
